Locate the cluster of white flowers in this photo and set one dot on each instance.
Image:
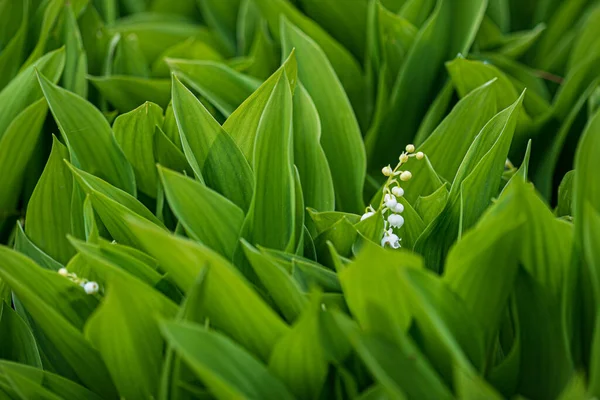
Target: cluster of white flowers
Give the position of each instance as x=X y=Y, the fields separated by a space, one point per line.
x=390 y=207
x=90 y=287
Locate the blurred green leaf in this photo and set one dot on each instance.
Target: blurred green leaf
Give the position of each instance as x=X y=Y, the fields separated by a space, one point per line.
x=74 y=78
x=18 y=343
x=129 y=92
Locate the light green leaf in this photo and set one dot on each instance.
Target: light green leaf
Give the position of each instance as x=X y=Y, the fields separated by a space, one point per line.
x=25 y=246
x=88 y=136
x=225 y=88
x=74 y=78
x=193 y=48
x=223 y=365
x=129 y=92
x=18 y=343
x=207 y=216
x=129 y=58
x=222 y=17
x=341 y=137
x=48 y=212
x=134 y=132
x=211 y=152
x=13 y=52
x=270 y=220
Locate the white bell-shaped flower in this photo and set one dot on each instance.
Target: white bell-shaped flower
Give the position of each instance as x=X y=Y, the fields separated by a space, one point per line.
x=399 y=208
x=390 y=201
x=396 y=220
x=63 y=272
x=390 y=239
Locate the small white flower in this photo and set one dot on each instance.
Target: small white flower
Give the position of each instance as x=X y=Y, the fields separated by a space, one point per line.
x=399 y=208
x=398 y=191
x=366 y=215
x=91 y=287
x=396 y=220
x=420 y=155
x=390 y=239
x=387 y=171
x=63 y=272
x=410 y=148
x=403 y=158
x=390 y=200
x=405 y=176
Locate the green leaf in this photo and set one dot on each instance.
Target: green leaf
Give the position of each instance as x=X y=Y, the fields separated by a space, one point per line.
x=74 y=78
x=210 y=151
x=229 y=301
x=225 y=88
x=17 y=147
x=59 y=308
x=18 y=343
x=207 y=216
x=193 y=48
x=25 y=246
x=399 y=368
x=46 y=18
x=299 y=358
x=24 y=90
x=309 y=157
x=222 y=17
x=168 y=154
x=283 y=288
x=565 y=195
x=88 y=136
x=48 y=212
x=223 y=365
x=129 y=58
x=270 y=220
x=13 y=53
x=134 y=131
x=243 y=123
x=129 y=92
x=341 y=137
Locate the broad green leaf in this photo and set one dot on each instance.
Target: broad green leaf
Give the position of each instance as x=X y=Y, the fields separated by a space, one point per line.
x=225 y=88
x=482 y=267
x=18 y=343
x=341 y=137
x=46 y=18
x=270 y=220
x=13 y=52
x=59 y=308
x=399 y=368
x=193 y=48
x=207 y=216
x=88 y=136
x=17 y=147
x=283 y=288
x=223 y=365
x=74 y=78
x=370 y=284
x=243 y=123
x=48 y=212
x=210 y=151
x=92 y=184
x=229 y=301
x=477 y=179
x=63 y=388
x=24 y=89
x=222 y=17
x=309 y=157
x=299 y=358
x=345 y=66
x=168 y=154
x=324 y=220
x=587 y=42
x=341 y=235
x=565 y=195
x=129 y=58
x=134 y=132
x=157 y=32
x=129 y=92
x=135 y=359
x=263 y=54
x=429 y=207
x=24 y=245
x=579 y=78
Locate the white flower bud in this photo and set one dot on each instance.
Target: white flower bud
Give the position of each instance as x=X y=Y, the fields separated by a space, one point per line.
x=63 y=272
x=403 y=158
x=387 y=171
x=366 y=215
x=91 y=287
x=420 y=155
x=399 y=208
x=405 y=176
x=391 y=201
x=398 y=191
x=396 y=220
x=410 y=148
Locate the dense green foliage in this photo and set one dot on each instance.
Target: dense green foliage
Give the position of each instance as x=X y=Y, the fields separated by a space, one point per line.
x=192 y=202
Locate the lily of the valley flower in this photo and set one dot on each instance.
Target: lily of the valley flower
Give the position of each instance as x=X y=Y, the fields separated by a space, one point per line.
x=390 y=239
x=90 y=287
x=395 y=220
